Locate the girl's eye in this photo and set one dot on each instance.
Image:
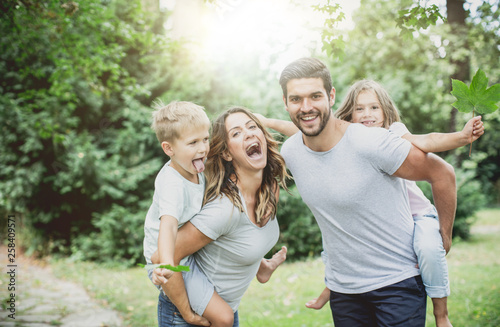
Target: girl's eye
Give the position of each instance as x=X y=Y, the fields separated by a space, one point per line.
x=359 y=109
x=252 y=127
x=236 y=134
x=375 y=107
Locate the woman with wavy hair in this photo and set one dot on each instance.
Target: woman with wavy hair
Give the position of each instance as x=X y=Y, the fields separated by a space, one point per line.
x=237 y=225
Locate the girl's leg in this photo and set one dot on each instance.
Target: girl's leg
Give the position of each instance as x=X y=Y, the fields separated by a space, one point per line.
x=218 y=312
x=428 y=246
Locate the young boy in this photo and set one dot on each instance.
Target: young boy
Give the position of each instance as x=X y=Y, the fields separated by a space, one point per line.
x=182 y=128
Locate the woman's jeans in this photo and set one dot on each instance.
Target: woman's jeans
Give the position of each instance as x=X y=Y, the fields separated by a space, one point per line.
x=169 y=315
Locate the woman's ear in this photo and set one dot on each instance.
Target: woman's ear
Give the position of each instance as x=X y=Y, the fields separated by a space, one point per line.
x=226 y=156
x=167 y=148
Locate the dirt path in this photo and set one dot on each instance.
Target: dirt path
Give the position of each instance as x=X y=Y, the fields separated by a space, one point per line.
x=42 y=300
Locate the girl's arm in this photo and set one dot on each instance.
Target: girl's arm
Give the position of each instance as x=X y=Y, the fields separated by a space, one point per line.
x=281 y=126
x=438 y=142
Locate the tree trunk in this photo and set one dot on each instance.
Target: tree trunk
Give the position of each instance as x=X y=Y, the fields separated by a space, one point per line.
x=456 y=15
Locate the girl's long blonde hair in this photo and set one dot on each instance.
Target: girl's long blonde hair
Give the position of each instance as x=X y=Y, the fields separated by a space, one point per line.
x=222 y=177
x=346 y=108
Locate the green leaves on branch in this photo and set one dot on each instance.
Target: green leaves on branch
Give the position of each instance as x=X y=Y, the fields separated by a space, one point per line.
x=478 y=97
x=333 y=42
x=418 y=17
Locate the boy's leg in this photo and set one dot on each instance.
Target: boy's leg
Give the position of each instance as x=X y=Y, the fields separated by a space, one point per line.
x=268 y=266
x=428 y=246
x=218 y=312
x=402 y=304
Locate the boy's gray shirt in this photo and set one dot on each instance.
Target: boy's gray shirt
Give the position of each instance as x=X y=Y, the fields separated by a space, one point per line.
x=362 y=211
x=174 y=196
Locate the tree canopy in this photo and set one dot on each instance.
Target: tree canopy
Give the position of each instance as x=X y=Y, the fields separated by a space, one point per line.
x=77 y=81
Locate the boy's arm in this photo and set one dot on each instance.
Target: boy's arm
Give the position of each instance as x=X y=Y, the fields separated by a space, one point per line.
x=438 y=142
x=189 y=240
x=429 y=167
x=166 y=239
x=282 y=126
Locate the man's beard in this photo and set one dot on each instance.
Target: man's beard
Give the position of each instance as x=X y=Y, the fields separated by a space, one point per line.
x=323 y=122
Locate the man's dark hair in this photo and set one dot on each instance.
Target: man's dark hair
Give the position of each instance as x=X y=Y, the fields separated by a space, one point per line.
x=305 y=68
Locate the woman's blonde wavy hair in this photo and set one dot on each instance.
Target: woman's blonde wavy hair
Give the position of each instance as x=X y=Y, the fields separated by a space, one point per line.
x=222 y=177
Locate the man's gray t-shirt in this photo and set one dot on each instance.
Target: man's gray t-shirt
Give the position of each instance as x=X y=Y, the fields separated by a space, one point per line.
x=362 y=211
x=232 y=260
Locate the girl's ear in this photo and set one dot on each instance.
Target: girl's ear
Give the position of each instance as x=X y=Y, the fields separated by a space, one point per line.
x=167 y=148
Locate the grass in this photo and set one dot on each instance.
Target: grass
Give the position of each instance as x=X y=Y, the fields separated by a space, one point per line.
x=474 y=277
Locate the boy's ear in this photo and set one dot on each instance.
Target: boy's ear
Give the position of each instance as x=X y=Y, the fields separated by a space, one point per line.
x=167 y=148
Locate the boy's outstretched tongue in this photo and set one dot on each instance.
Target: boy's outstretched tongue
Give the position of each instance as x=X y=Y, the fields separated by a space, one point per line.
x=199 y=165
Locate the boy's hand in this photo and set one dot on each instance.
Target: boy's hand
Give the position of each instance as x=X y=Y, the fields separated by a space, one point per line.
x=194 y=319
x=161 y=276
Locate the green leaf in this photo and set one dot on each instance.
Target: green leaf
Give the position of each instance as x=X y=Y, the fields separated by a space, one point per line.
x=169 y=267
x=477 y=97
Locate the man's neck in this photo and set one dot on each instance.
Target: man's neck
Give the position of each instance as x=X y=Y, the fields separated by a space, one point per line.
x=331 y=135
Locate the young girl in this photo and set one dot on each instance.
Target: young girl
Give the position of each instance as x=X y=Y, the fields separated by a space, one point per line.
x=368 y=103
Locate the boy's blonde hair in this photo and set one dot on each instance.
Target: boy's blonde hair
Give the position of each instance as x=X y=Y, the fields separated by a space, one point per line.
x=170 y=120
x=346 y=108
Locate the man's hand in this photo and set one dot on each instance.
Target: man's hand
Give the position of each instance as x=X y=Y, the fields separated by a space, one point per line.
x=446 y=242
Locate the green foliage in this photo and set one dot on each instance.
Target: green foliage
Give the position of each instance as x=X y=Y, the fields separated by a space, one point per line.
x=118 y=237
x=417 y=18
x=333 y=41
x=478 y=97
x=74 y=100
x=299 y=230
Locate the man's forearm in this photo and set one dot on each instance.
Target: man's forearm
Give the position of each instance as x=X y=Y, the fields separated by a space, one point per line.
x=176 y=292
x=444 y=193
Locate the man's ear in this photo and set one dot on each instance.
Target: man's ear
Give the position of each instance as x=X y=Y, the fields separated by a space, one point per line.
x=332 y=96
x=167 y=148
x=286 y=105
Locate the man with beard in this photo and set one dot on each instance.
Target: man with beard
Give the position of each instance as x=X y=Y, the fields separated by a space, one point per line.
x=350 y=176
